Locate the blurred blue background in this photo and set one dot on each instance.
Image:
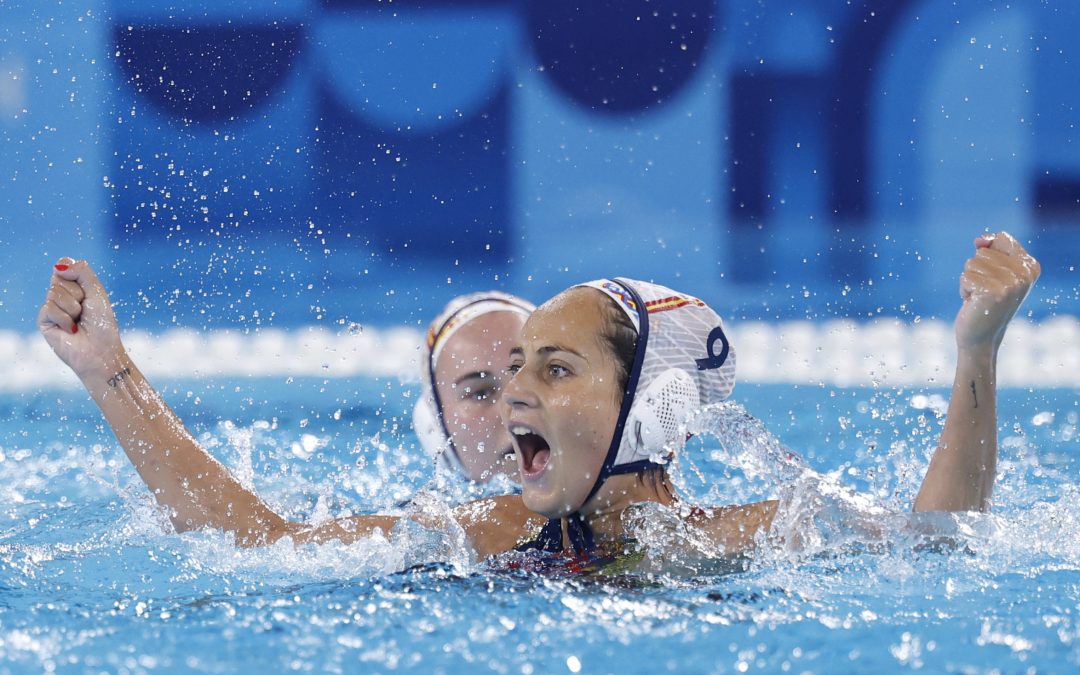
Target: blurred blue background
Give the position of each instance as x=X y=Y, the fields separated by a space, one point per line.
x=292 y=162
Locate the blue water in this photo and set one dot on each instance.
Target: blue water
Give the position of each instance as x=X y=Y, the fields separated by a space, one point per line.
x=91 y=578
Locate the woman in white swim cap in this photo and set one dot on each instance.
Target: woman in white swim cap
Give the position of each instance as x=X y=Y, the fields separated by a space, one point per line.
x=641 y=357
x=591 y=433
x=462 y=373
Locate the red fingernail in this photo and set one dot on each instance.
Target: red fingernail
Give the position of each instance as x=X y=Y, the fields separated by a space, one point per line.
x=61 y=268
x=74 y=328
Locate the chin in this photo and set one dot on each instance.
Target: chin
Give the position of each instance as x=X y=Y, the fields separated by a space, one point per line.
x=545 y=505
x=537 y=504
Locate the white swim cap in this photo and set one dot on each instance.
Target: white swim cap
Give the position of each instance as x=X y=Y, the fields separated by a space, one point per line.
x=428 y=420
x=683 y=360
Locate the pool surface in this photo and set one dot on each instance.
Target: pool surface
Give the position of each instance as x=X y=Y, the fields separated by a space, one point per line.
x=92 y=579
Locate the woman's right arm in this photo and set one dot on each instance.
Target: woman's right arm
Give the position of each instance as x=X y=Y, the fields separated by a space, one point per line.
x=78 y=322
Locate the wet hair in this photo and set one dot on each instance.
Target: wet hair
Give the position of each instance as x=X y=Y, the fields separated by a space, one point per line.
x=621 y=337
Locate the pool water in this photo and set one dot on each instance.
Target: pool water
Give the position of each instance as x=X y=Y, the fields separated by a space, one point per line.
x=92 y=578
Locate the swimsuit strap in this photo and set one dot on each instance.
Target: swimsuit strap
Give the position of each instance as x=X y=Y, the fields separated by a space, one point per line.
x=550 y=539
x=581 y=536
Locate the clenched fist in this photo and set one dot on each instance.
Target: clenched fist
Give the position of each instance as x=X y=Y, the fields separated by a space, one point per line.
x=78 y=322
x=994 y=283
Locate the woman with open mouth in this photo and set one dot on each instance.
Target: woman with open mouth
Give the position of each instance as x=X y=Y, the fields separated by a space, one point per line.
x=603 y=376
x=463 y=371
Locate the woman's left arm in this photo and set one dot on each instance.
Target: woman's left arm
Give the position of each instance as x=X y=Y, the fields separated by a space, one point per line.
x=994 y=283
x=735 y=528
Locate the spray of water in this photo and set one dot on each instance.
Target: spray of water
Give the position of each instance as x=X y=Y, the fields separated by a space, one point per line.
x=817 y=513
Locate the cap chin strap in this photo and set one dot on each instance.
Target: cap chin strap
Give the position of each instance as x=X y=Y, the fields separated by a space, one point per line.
x=431 y=431
x=449 y=451
x=608 y=468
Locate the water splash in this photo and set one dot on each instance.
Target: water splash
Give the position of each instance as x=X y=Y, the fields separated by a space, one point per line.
x=745 y=443
x=818 y=514
x=673 y=548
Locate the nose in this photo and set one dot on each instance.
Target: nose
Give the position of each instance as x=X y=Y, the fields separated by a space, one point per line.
x=518 y=392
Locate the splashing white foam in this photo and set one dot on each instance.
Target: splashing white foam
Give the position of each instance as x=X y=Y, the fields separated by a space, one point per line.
x=818 y=514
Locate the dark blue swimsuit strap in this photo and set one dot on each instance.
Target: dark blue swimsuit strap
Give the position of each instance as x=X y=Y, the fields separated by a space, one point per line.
x=550 y=539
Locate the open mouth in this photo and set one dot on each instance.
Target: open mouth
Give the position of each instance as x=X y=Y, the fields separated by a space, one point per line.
x=535 y=451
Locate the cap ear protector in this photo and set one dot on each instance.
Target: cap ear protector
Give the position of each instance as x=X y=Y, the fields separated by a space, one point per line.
x=655 y=421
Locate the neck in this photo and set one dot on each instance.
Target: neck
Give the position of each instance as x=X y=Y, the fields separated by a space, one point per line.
x=603 y=513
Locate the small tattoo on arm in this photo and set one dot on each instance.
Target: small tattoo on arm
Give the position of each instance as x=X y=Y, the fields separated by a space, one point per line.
x=115 y=379
x=973 y=394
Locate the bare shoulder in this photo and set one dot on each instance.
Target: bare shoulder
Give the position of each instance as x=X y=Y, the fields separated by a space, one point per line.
x=735 y=527
x=497 y=524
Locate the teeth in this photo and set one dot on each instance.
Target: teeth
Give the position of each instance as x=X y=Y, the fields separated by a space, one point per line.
x=519 y=431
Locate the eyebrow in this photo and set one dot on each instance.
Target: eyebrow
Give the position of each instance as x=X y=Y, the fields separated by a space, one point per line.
x=476 y=375
x=549 y=349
